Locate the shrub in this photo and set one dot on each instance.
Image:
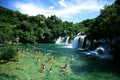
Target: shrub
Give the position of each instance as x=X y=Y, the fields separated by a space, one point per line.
x=8 y=53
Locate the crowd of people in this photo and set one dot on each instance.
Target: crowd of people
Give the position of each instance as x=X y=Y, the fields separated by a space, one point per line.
x=50 y=59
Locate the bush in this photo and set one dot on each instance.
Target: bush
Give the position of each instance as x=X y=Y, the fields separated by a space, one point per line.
x=8 y=53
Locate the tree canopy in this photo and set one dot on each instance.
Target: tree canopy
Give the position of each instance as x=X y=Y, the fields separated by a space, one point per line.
x=107 y=24
x=31 y=29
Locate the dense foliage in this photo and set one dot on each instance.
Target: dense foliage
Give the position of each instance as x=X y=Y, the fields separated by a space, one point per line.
x=107 y=24
x=17 y=27
x=8 y=53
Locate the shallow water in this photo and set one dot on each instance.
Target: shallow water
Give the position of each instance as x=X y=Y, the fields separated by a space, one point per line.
x=80 y=67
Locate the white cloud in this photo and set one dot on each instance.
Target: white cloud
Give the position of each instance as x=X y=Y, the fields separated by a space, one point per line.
x=62 y=3
x=69 y=8
x=51 y=7
x=76 y=9
x=32 y=9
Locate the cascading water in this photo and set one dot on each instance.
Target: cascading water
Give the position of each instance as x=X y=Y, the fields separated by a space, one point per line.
x=78 y=41
x=100 y=52
x=75 y=42
x=67 y=40
x=62 y=40
x=59 y=40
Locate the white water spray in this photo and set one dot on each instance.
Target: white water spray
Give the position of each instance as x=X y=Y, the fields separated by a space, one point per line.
x=78 y=41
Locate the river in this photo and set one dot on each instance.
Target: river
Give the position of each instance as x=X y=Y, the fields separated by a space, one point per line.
x=83 y=67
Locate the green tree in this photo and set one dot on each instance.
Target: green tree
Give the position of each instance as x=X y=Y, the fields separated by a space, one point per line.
x=8 y=53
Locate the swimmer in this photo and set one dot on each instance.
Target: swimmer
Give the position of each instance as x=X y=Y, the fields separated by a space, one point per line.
x=73 y=57
x=38 y=60
x=65 y=65
x=63 y=69
x=43 y=67
x=66 y=60
x=50 y=70
x=51 y=58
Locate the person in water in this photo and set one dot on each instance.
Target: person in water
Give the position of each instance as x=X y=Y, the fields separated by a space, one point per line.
x=38 y=60
x=73 y=56
x=66 y=65
x=50 y=70
x=51 y=58
x=64 y=68
x=43 y=67
x=66 y=60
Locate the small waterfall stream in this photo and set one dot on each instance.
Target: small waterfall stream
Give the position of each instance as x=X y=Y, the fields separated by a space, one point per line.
x=62 y=40
x=59 y=40
x=67 y=40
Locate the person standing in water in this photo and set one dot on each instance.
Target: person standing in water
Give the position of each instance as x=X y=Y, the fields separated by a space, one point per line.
x=50 y=71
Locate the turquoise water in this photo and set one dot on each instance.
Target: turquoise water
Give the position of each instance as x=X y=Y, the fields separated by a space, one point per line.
x=83 y=67
x=49 y=48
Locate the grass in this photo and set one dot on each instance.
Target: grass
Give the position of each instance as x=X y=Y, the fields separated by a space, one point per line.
x=81 y=68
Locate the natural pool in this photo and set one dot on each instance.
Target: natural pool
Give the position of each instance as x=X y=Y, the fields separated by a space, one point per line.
x=79 y=67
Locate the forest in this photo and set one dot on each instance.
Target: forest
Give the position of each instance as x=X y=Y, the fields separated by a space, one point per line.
x=15 y=27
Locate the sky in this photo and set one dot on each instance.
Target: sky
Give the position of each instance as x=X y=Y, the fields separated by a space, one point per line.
x=67 y=10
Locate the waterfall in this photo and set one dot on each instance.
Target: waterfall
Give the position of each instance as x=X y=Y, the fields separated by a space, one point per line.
x=62 y=40
x=75 y=42
x=67 y=40
x=59 y=40
x=78 y=41
x=100 y=52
